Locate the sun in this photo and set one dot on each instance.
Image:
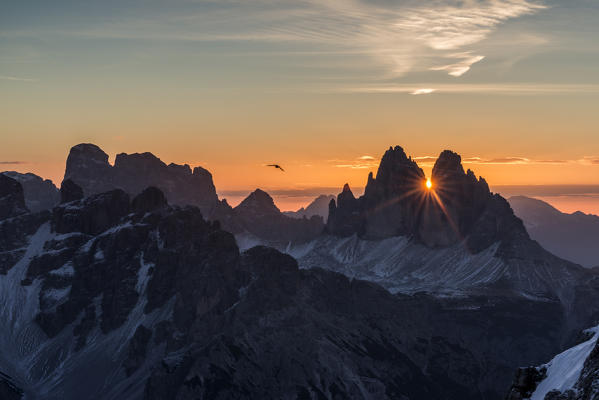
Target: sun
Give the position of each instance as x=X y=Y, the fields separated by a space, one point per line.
x=429 y=184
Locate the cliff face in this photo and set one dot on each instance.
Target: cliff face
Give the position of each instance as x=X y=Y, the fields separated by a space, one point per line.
x=12 y=199
x=40 y=194
x=458 y=207
x=87 y=166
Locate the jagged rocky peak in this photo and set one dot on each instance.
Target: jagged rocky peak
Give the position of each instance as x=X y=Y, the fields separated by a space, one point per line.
x=448 y=163
x=396 y=173
x=257 y=204
x=346 y=196
x=70 y=191
x=12 y=199
x=88 y=167
x=396 y=203
x=458 y=201
x=40 y=194
x=145 y=161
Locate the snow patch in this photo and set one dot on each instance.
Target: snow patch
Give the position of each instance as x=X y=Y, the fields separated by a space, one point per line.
x=564 y=370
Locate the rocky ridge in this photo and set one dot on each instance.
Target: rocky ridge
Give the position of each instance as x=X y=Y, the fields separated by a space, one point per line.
x=87 y=166
x=40 y=194
x=112 y=298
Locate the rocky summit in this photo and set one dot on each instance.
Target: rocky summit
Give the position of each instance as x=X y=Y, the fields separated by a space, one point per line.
x=459 y=207
x=87 y=166
x=257 y=220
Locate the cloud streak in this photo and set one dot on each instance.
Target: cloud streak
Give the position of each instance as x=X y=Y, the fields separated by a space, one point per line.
x=475 y=88
x=399 y=36
x=511 y=160
x=12 y=162
x=14 y=78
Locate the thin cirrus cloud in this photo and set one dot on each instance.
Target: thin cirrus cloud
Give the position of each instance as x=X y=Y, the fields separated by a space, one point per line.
x=461 y=67
x=474 y=88
x=368 y=162
x=422 y=91
x=400 y=36
x=15 y=78
x=12 y=162
x=510 y=160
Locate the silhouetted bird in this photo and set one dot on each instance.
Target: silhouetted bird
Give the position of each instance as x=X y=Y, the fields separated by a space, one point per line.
x=276 y=166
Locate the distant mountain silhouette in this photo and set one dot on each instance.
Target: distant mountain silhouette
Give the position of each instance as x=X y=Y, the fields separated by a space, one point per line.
x=87 y=166
x=574 y=237
x=319 y=206
x=110 y=295
x=459 y=208
x=258 y=219
x=40 y=194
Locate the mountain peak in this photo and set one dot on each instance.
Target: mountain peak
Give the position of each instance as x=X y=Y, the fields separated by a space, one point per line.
x=448 y=162
x=89 y=151
x=88 y=167
x=396 y=203
x=257 y=204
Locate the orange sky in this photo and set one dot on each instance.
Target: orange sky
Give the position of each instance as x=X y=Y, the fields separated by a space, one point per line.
x=235 y=85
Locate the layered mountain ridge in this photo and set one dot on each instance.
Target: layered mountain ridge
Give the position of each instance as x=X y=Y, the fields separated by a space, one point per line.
x=112 y=298
x=570 y=236
x=407 y=293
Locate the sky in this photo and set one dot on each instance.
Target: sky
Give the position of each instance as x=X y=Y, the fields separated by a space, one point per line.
x=322 y=88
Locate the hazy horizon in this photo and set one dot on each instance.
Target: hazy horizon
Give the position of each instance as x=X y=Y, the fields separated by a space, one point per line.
x=567 y=198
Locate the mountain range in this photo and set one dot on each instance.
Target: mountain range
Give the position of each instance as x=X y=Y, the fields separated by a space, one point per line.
x=133 y=287
x=570 y=236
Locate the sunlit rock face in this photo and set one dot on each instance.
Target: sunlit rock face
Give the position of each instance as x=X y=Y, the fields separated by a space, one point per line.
x=457 y=207
x=88 y=167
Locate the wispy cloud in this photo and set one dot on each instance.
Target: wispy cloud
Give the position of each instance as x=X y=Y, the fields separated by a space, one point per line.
x=461 y=67
x=12 y=162
x=510 y=160
x=474 y=88
x=422 y=91
x=15 y=78
x=399 y=36
x=361 y=162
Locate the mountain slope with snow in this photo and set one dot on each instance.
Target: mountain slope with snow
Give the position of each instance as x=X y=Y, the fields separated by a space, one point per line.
x=570 y=375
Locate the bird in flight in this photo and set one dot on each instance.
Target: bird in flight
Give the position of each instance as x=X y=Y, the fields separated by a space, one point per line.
x=276 y=166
